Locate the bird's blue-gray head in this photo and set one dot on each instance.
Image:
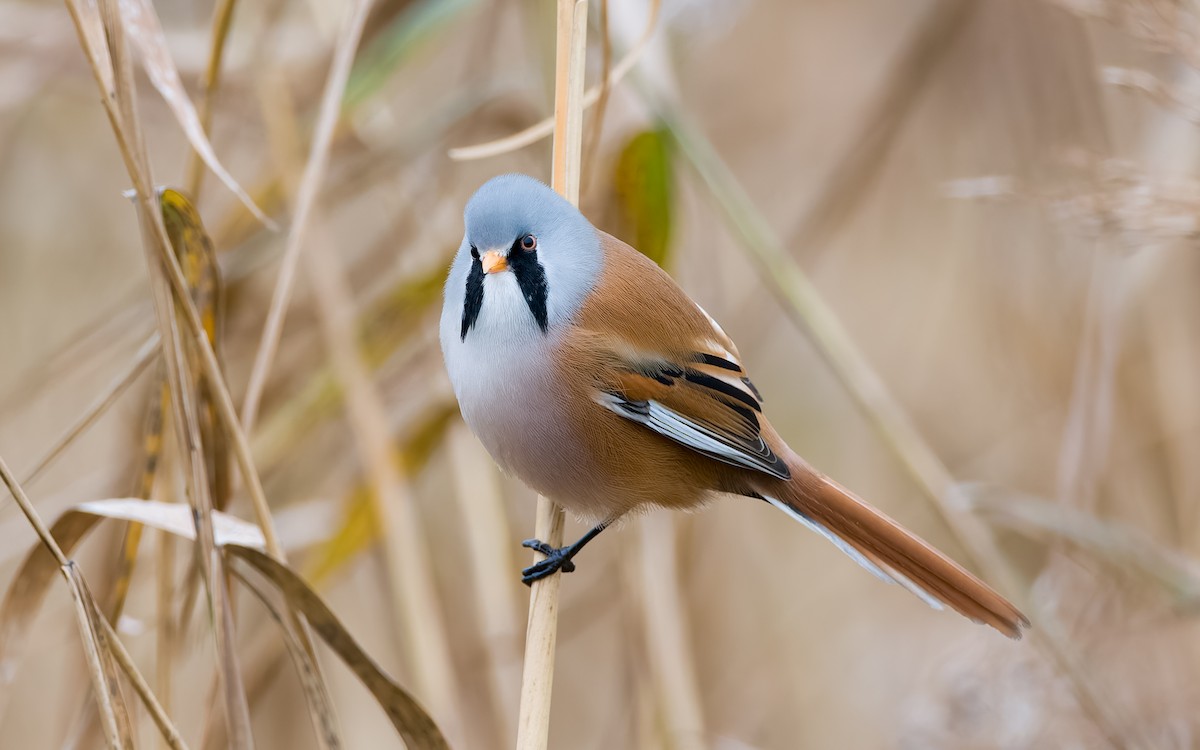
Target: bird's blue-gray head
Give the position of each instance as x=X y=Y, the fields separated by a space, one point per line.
x=527 y=261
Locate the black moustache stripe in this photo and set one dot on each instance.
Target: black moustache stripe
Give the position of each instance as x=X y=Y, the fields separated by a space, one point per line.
x=474 y=299
x=531 y=277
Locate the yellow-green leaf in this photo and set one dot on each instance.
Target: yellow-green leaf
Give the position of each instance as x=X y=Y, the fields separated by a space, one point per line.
x=644 y=187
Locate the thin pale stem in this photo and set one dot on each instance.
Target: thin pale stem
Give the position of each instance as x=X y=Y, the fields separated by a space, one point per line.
x=537 y=682
x=306 y=198
x=157 y=711
x=97 y=408
x=222 y=22
x=537 y=132
x=31 y=514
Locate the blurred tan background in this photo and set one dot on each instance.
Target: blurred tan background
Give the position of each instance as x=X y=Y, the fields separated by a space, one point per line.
x=996 y=199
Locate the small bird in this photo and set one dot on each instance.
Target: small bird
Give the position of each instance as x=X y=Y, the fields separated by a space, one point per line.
x=590 y=375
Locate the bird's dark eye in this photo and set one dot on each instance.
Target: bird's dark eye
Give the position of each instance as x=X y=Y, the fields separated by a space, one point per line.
x=529 y=243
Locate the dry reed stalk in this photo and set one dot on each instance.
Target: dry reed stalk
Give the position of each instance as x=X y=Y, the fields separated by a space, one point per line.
x=112 y=710
x=222 y=22
x=477 y=487
x=111 y=642
x=156 y=708
x=591 y=146
x=668 y=642
x=31 y=515
x=538 y=131
x=306 y=198
x=104 y=43
x=98 y=407
x=127 y=128
x=414 y=598
x=807 y=308
x=164 y=642
x=156 y=246
x=541 y=635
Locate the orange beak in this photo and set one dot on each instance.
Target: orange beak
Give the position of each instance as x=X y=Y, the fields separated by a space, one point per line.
x=493 y=262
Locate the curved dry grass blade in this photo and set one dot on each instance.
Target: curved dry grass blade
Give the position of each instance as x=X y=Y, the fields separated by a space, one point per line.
x=144 y=29
x=545 y=128
x=174 y=518
x=27 y=591
x=411 y=721
x=319 y=701
x=194 y=248
x=106 y=685
x=32 y=579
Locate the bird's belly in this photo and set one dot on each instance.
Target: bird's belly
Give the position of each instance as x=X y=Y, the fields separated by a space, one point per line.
x=547 y=431
x=509 y=400
x=531 y=439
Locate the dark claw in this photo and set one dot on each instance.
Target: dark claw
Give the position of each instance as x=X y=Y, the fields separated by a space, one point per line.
x=556 y=560
x=537 y=545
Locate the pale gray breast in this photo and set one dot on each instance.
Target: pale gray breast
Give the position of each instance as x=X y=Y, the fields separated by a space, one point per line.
x=505 y=388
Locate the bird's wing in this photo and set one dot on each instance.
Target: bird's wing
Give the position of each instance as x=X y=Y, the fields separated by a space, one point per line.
x=662 y=362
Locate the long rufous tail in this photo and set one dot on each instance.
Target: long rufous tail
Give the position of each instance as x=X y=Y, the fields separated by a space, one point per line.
x=888 y=550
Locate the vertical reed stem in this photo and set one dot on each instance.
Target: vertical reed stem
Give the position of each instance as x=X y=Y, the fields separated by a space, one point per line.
x=537 y=681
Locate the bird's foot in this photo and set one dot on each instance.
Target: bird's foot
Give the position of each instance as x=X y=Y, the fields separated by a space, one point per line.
x=557 y=558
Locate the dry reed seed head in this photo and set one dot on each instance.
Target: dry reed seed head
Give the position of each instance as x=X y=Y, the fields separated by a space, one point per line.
x=1170 y=27
x=1175 y=98
x=984 y=696
x=1144 y=210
